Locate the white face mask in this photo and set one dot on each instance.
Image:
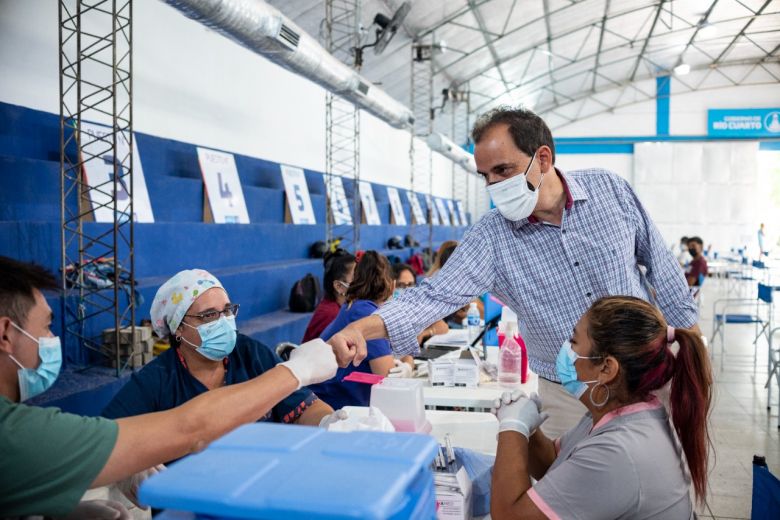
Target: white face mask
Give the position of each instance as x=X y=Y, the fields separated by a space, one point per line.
x=513 y=198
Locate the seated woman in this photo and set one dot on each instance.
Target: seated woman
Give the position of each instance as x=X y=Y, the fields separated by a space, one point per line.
x=371 y=287
x=454 y=320
x=193 y=310
x=622 y=460
x=339 y=268
x=404 y=278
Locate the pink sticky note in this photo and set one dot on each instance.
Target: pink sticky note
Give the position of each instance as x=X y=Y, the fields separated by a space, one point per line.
x=364 y=377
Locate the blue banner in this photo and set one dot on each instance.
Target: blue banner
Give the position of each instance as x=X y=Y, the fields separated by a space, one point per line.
x=743 y=122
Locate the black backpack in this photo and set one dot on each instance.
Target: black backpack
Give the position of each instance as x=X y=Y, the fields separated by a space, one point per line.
x=305 y=294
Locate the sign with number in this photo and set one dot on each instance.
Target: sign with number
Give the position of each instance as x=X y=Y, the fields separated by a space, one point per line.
x=297 y=191
x=99 y=168
x=223 y=188
x=432 y=210
x=369 y=204
x=443 y=213
x=417 y=212
x=339 y=207
x=464 y=221
x=453 y=214
x=399 y=219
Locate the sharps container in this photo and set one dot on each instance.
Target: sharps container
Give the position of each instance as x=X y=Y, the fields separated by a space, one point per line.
x=401 y=400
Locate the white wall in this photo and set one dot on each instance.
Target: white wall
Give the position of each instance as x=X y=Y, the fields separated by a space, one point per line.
x=622 y=164
x=193 y=85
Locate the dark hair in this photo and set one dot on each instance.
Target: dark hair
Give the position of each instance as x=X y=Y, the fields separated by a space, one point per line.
x=684 y=239
x=445 y=254
x=17 y=283
x=372 y=280
x=529 y=131
x=635 y=333
x=336 y=265
x=696 y=240
x=400 y=268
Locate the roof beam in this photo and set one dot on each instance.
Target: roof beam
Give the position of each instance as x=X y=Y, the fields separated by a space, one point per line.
x=447 y=19
x=533 y=45
x=647 y=40
x=546 y=7
x=489 y=42
x=601 y=41
x=739 y=35
x=696 y=32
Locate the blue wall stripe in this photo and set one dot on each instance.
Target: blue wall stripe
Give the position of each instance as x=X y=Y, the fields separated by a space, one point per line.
x=625 y=144
x=663 y=91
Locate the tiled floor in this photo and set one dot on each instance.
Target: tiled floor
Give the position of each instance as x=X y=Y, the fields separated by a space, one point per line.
x=741 y=426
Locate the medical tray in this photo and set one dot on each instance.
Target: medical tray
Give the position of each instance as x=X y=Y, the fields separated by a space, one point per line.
x=269 y=471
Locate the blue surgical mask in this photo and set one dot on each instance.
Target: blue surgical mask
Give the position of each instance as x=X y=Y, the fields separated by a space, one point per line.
x=397 y=293
x=35 y=381
x=567 y=373
x=217 y=339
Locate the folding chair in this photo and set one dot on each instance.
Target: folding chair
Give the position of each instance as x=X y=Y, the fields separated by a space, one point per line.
x=774 y=371
x=723 y=314
x=766 y=491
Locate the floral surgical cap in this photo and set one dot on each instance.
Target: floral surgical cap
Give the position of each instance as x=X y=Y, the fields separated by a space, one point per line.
x=175 y=297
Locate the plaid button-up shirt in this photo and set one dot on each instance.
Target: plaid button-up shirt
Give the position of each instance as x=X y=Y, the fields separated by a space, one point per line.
x=550 y=275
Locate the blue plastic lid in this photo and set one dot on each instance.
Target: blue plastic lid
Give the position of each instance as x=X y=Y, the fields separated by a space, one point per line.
x=284 y=471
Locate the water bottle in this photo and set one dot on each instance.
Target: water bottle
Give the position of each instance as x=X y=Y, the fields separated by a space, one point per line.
x=510 y=359
x=472 y=321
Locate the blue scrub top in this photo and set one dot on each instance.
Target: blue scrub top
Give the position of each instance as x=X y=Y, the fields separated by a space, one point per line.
x=335 y=392
x=166 y=383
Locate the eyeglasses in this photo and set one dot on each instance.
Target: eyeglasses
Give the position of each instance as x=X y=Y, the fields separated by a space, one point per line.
x=231 y=309
x=409 y=285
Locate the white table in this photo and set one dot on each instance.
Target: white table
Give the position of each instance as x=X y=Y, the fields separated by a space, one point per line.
x=473 y=430
x=480 y=398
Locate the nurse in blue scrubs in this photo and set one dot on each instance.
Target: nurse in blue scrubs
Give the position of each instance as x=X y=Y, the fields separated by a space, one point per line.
x=372 y=285
x=194 y=311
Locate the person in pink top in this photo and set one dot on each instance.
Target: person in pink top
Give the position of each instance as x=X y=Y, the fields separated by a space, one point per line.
x=624 y=459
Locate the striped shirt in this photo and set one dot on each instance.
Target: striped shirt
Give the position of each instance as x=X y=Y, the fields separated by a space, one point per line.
x=550 y=275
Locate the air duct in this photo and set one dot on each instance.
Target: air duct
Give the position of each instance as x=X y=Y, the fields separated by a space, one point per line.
x=264 y=30
x=442 y=144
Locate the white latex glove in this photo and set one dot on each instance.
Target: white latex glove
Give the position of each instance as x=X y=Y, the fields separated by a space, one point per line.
x=401 y=369
x=99 y=510
x=519 y=413
x=129 y=486
x=312 y=362
x=333 y=418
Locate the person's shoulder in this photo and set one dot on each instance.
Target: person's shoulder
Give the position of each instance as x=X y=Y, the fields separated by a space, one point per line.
x=589 y=176
x=362 y=308
x=248 y=349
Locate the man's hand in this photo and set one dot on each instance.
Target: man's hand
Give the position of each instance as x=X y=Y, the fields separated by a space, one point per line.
x=349 y=345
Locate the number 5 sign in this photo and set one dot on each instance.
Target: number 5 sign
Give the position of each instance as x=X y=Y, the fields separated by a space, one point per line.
x=297 y=191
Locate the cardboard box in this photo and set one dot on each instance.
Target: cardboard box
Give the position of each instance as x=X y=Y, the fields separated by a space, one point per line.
x=453 y=495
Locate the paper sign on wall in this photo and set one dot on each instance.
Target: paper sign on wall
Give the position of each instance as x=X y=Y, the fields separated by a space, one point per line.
x=223 y=188
x=432 y=210
x=339 y=207
x=443 y=213
x=370 y=210
x=417 y=212
x=453 y=213
x=464 y=221
x=98 y=169
x=397 y=209
x=298 y=199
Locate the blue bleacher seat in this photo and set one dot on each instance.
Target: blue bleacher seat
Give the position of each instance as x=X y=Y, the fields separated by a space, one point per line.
x=258 y=262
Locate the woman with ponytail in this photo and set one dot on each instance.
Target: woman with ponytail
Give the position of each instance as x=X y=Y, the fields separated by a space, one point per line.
x=372 y=285
x=624 y=459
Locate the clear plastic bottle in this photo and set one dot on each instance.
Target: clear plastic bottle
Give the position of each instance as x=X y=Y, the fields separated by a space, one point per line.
x=472 y=320
x=510 y=359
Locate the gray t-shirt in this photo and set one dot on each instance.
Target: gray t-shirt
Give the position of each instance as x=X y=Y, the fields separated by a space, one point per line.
x=628 y=466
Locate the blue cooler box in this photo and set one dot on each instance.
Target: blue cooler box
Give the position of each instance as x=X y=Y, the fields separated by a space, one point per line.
x=266 y=470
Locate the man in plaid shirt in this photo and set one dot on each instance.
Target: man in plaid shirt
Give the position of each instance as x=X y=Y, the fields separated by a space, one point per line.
x=555 y=243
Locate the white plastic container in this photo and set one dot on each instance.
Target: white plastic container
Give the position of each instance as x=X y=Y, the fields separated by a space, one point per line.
x=510 y=359
x=401 y=401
